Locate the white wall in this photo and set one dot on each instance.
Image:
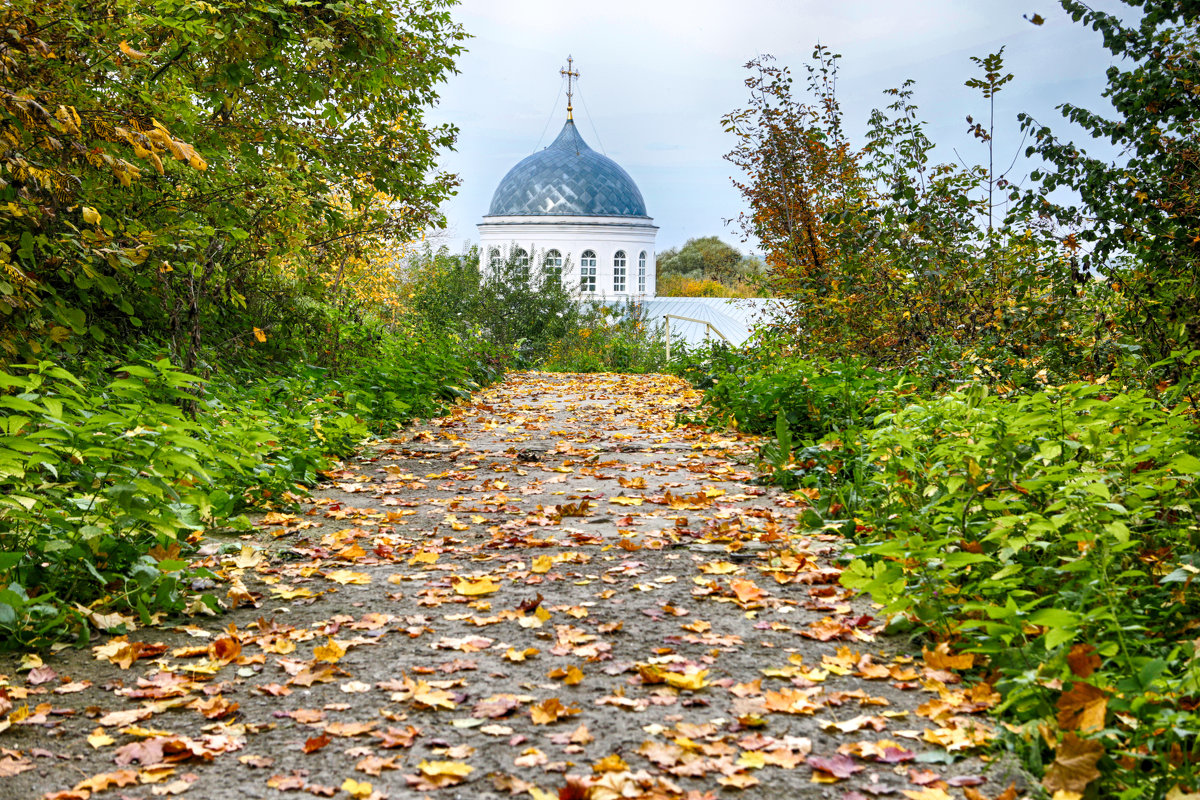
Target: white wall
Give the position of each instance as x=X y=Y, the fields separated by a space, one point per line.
x=571 y=236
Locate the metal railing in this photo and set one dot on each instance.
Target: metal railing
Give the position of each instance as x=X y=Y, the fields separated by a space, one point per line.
x=708 y=326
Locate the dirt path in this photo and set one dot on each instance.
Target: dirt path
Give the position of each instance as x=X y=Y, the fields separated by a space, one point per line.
x=549 y=590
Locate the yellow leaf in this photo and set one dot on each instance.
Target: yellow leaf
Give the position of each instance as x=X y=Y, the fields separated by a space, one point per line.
x=357 y=789
x=622 y=500
x=542 y=564
x=423 y=557
x=471 y=588
x=258 y=334
x=513 y=654
x=345 y=576
x=100 y=738
x=197 y=162
x=570 y=676
x=129 y=51
x=434 y=768
x=691 y=680
x=926 y=794
x=330 y=652
x=90 y=215
x=610 y=763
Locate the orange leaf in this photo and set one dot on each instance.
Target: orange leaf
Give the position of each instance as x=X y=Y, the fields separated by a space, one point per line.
x=941 y=658
x=1082 y=708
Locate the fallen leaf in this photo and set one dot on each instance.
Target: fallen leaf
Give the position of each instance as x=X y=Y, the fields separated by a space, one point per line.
x=840 y=767
x=551 y=710
x=1074 y=764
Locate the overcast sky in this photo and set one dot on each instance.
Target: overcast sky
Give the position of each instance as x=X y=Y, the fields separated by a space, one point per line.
x=657 y=75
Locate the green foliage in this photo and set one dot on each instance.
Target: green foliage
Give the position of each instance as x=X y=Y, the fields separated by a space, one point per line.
x=1023 y=526
x=708 y=257
x=525 y=305
x=1141 y=211
x=106 y=482
x=287 y=125
x=813 y=398
x=610 y=339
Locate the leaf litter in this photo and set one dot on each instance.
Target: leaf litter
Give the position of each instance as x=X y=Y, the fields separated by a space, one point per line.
x=556 y=591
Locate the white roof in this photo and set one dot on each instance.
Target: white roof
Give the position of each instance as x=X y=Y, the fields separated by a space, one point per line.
x=733 y=317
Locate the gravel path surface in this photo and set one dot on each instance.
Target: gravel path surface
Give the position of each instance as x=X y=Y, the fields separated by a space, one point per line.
x=554 y=592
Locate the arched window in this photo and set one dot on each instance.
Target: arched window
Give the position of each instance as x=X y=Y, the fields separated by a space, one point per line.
x=520 y=260
x=587 y=271
x=619 y=271
x=642 y=272
x=553 y=263
x=495 y=260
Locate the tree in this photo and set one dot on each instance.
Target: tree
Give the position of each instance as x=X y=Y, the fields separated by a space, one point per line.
x=1141 y=212
x=989 y=86
x=799 y=169
x=706 y=257
x=161 y=161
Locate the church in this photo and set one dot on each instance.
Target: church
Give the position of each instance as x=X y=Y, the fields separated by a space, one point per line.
x=578 y=212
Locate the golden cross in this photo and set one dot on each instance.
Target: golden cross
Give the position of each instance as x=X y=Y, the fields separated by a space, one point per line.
x=570 y=74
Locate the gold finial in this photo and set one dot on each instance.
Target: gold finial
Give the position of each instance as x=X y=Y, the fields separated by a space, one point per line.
x=570 y=74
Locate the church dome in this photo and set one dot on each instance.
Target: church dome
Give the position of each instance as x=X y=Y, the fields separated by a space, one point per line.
x=568 y=178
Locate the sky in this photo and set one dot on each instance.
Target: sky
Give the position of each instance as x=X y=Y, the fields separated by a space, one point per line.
x=656 y=76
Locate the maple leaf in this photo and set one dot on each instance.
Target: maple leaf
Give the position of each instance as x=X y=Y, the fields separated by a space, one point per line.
x=1082 y=708
x=531 y=757
x=839 y=767
x=360 y=790
x=395 y=737
x=11 y=765
x=513 y=654
x=107 y=780
x=475 y=588
x=1083 y=660
x=551 y=710
x=1010 y=793
x=570 y=676
x=438 y=774
x=345 y=576
x=940 y=657
x=747 y=591
x=1074 y=764
x=315 y=743
x=610 y=763
x=214 y=707
x=348 y=729
x=100 y=738
x=932 y=793
x=738 y=780
x=331 y=652
x=496 y=706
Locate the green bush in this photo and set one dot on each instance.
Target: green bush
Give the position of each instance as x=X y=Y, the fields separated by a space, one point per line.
x=605 y=338
x=1041 y=526
x=111 y=472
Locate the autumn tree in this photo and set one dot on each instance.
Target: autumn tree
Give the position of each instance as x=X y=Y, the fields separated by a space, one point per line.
x=159 y=162
x=878 y=246
x=799 y=168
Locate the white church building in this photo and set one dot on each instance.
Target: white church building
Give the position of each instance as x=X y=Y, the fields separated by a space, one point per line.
x=578 y=212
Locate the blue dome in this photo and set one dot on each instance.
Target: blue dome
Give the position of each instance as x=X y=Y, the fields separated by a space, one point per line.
x=568 y=177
